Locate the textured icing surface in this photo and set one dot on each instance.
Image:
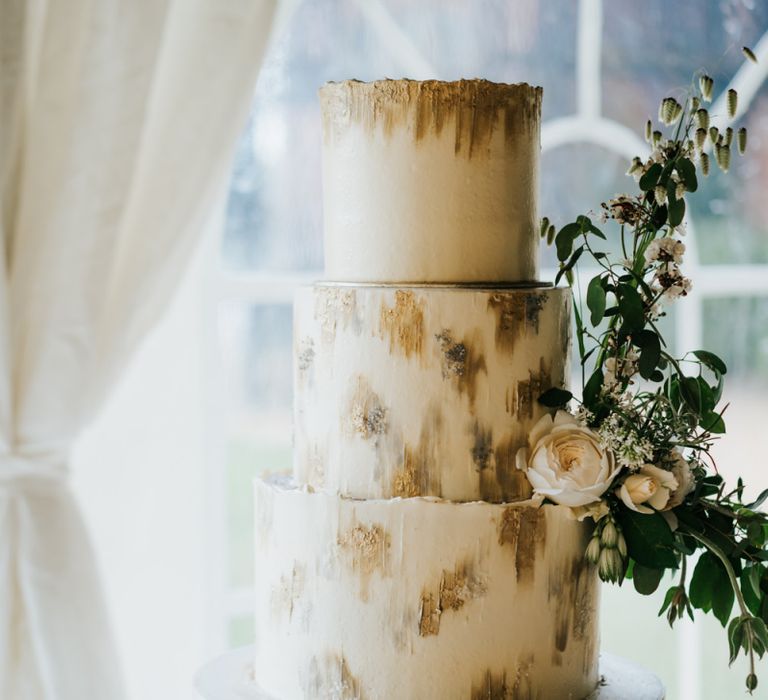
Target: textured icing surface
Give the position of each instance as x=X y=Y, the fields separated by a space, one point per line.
x=469 y=109
x=422 y=391
x=421 y=598
x=430 y=181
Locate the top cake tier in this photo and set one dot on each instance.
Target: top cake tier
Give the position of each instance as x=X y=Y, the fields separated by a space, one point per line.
x=430 y=181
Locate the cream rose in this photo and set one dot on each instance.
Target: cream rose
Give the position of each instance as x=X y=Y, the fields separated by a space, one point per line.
x=686 y=482
x=565 y=462
x=651 y=485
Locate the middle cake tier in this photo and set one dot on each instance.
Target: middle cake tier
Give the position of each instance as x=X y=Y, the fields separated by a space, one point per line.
x=423 y=390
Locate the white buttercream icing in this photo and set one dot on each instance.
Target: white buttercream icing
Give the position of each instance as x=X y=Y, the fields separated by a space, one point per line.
x=421 y=598
x=423 y=390
x=430 y=181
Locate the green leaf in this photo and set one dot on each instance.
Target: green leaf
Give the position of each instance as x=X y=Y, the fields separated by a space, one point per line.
x=592 y=387
x=713 y=423
x=596 y=300
x=704 y=576
x=722 y=600
x=711 y=588
x=650 y=177
x=672 y=389
x=564 y=240
x=650 y=542
x=579 y=329
x=749 y=582
x=764 y=609
x=687 y=171
x=706 y=395
x=555 y=398
x=676 y=212
x=756 y=533
x=588 y=227
x=649 y=355
x=659 y=216
x=761 y=630
x=567 y=267
x=597 y=232
x=646 y=580
x=717 y=393
x=759 y=500
x=631 y=307
x=711 y=360
x=671 y=593
x=735 y=637
x=689 y=393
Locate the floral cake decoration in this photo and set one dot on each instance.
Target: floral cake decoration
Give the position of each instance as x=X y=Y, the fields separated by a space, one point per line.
x=633 y=453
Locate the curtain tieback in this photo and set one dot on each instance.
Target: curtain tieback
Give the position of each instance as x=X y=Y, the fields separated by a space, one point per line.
x=16 y=469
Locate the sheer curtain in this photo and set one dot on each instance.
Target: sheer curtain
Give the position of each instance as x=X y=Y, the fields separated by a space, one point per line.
x=117 y=124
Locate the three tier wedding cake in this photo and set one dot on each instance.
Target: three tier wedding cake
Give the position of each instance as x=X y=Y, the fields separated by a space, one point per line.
x=405 y=559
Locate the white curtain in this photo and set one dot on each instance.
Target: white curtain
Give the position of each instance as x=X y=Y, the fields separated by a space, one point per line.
x=118 y=120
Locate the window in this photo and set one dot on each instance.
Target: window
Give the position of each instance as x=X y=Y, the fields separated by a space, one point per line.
x=604 y=67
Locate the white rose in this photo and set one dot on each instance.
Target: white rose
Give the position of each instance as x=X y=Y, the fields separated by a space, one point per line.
x=565 y=462
x=686 y=482
x=650 y=485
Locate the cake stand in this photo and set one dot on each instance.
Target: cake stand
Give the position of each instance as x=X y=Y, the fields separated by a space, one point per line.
x=229 y=677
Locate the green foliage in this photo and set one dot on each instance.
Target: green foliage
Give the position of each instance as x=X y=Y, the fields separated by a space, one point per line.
x=596 y=300
x=555 y=398
x=646 y=580
x=650 y=407
x=649 y=540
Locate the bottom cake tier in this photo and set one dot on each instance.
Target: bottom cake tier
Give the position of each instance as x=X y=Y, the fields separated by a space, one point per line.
x=421 y=598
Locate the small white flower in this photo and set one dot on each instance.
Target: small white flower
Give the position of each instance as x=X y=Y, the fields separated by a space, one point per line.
x=609 y=373
x=671 y=281
x=584 y=415
x=635 y=166
x=681 y=288
x=629 y=363
x=565 y=461
x=660 y=194
x=655 y=311
x=666 y=250
x=651 y=485
x=619 y=437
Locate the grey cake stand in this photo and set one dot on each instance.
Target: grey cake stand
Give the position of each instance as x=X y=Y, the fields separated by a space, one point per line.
x=229 y=677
